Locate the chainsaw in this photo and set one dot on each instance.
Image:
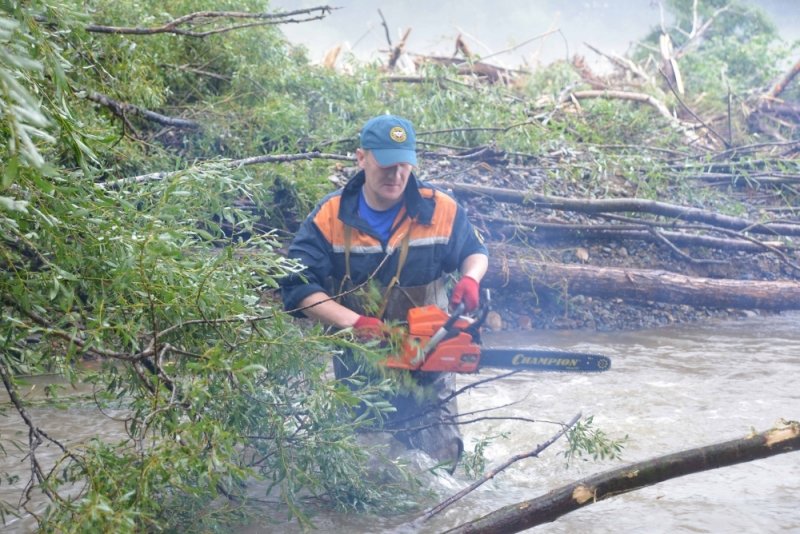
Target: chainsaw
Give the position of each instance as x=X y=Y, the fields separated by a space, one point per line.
x=437 y=341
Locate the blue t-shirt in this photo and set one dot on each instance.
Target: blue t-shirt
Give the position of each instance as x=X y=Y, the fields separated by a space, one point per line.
x=380 y=221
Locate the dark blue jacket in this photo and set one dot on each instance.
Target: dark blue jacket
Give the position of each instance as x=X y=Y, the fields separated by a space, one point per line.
x=441 y=237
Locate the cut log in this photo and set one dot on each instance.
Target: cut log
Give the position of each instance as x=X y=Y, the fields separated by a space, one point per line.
x=549 y=507
x=784 y=81
x=639 y=284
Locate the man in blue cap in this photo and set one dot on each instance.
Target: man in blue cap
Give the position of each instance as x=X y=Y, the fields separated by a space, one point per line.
x=386 y=228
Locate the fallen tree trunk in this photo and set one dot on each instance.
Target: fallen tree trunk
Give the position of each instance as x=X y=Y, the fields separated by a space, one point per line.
x=781 y=84
x=640 y=284
x=554 y=504
x=533 y=230
x=616 y=205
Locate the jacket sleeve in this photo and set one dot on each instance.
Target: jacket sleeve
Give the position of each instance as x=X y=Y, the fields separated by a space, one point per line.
x=313 y=251
x=465 y=240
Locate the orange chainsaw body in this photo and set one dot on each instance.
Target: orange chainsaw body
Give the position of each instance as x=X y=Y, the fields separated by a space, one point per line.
x=458 y=354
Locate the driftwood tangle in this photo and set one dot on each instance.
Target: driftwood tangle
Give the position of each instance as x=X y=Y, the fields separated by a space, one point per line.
x=514 y=266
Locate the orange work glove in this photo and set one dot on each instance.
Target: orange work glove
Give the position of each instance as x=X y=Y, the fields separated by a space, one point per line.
x=466 y=290
x=369 y=327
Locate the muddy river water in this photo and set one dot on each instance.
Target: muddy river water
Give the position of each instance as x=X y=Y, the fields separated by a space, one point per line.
x=669 y=389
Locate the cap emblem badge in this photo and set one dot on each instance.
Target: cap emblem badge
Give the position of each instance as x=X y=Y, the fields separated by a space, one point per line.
x=397 y=134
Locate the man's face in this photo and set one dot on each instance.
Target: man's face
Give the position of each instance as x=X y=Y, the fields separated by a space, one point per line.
x=384 y=186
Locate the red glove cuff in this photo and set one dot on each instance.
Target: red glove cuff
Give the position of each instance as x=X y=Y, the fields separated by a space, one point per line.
x=368 y=328
x=365 y=322
x=466 y=291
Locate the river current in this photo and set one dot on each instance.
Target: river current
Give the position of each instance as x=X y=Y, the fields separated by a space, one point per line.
x=669 y=389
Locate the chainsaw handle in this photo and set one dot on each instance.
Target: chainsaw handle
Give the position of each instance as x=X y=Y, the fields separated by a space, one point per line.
x=454 y=317
x=440 y=334
x=483 y=312
x=472 y=329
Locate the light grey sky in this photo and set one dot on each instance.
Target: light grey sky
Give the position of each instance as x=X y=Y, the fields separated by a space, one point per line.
x=491 y=26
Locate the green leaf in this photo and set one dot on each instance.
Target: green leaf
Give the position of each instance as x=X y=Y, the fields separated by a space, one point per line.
x=10 y=171
x=203 y=234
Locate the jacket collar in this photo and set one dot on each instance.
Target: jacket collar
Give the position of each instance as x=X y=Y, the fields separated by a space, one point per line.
x=417 y=207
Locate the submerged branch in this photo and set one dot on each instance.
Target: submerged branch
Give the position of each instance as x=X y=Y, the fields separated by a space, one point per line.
x=500 y=468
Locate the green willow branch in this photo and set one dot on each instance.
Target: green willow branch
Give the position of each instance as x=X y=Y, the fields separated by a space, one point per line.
x=83 y=344
x=36 y=437
x=228 y=164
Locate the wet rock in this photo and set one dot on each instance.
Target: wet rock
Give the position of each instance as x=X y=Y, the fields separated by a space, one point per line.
x=564 y=323
x=494 y=321
x=524 y=322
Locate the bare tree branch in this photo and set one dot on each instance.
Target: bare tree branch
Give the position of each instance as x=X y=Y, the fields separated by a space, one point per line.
x=626 y=204
x=385 y=29
x=692 y=113
x=192 y=20
x=35 y=438
x=623 y=63
x=121 y=109
x=636 y=229
x=698 y=29
x=547 y=508
x=628 y=95
x=660 y=236
x=499 y=469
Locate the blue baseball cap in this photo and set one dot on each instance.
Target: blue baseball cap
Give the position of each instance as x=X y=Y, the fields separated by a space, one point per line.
x=391 y=140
